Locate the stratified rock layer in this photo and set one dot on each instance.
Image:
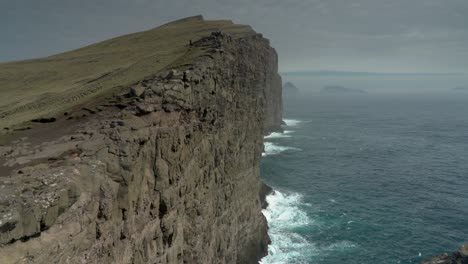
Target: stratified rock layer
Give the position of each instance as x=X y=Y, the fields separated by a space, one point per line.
x=166 y=172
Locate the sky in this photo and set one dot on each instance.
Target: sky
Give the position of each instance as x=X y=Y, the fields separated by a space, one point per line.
x=404 y=36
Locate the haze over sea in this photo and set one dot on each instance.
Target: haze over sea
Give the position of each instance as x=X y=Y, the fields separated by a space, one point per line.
x=369 y=178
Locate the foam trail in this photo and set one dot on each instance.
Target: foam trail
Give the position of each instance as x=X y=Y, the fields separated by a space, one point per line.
x=284 y=215
x=272 y=149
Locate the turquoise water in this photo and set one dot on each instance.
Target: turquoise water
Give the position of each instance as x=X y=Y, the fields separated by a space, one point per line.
x=368 y=179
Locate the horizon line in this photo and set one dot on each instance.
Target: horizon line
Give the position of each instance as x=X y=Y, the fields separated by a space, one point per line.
x=362 y=73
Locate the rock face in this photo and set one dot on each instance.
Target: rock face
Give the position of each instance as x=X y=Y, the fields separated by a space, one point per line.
x=274 y=101
x=458 y=257
x=165 y=172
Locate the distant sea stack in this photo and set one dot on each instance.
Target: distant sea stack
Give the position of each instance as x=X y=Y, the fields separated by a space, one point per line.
x=458 y=257
x=290 y=88
x=461 y=89
x=148 y=150
x=336 y=89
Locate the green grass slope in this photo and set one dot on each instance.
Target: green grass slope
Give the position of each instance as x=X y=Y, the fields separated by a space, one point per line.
x=49 y=86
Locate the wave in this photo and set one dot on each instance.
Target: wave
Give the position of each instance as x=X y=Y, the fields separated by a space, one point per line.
x=340 y=246
x=285 y=134
x=272 y=149
x=292 y=122
x=284 y=215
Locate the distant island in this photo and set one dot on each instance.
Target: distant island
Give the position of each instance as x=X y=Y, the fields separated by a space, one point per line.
x=351 y=73
x=290 y=88
x=461 y=89
x=336 y=89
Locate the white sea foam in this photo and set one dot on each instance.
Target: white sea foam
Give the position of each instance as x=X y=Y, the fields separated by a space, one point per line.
x=272 y=149
x=340 y=246
x=276 y=135
x=283 y=215
x=285 y=134
x=292 y=122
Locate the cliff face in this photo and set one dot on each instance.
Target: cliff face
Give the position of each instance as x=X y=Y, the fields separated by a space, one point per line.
x=274 y=99
x=167 y=171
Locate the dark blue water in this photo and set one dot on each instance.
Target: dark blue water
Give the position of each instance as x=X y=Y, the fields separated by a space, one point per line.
x=368 y=179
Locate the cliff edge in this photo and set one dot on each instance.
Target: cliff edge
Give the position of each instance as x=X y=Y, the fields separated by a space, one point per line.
x=141 y=149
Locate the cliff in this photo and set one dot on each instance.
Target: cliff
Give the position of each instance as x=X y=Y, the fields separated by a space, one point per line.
x=146 y=149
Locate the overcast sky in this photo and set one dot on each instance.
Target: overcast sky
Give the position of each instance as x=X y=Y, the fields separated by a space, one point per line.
x=348 y=35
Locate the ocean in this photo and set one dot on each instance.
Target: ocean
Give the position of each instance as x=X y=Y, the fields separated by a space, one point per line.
x=372 y=178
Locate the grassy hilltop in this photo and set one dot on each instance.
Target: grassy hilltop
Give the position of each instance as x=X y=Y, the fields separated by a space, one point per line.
x=47 y=87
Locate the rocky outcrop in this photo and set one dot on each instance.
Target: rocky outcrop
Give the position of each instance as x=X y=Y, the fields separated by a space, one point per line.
x=265 y=190
x=165 y=172
x=458 y=257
